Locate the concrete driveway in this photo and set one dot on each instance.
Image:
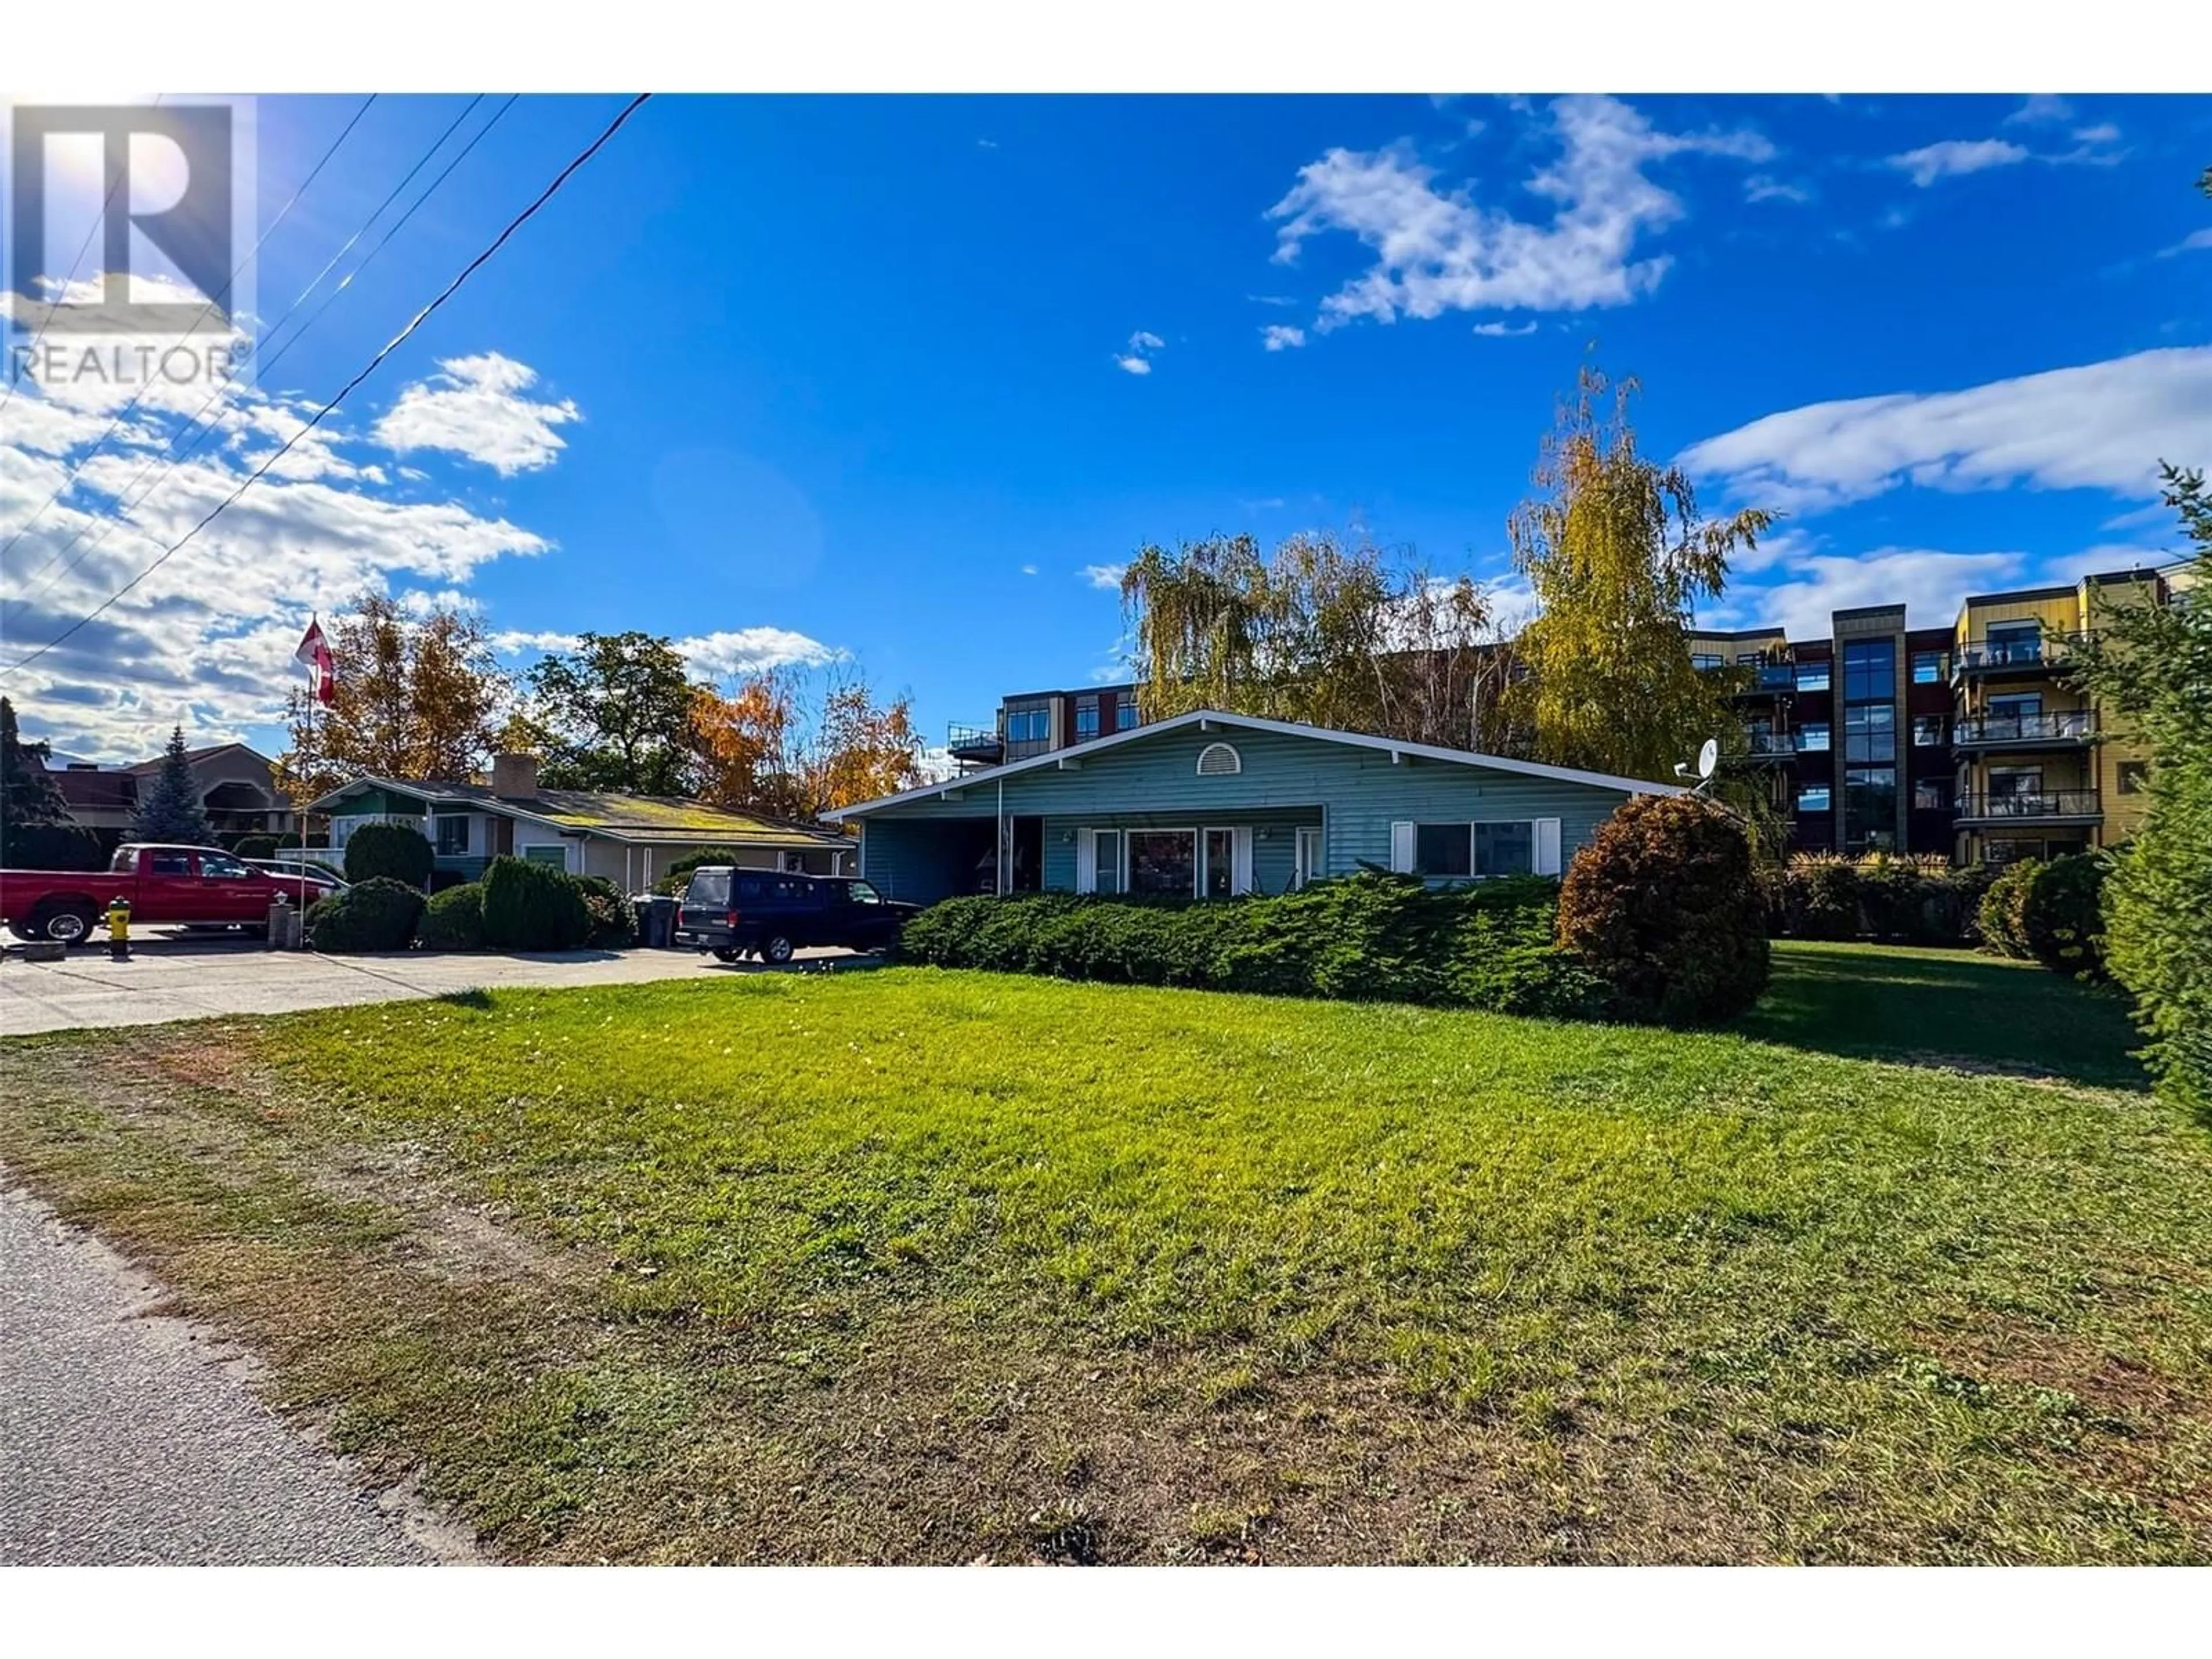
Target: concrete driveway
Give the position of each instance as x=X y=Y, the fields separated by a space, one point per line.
x=173 y=975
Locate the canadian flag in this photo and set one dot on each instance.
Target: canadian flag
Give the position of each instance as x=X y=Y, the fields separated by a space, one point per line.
x=315 y=652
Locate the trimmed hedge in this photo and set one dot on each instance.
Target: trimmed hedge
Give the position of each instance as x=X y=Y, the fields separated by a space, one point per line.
x=1368 y=936
x=453 y=920
x=255 y=846
x=2061 y=920
x=1664 y=906
x=51 y=847
x=397 y=851
x=376 y=914
x=533 y=906
x=1907 y=900
x=2003 y=913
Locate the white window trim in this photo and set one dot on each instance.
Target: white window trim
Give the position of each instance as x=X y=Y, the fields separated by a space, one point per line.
x=1304 y=870
x=1235 y=761
x=1546 y=846
x=1240 y=858
x=523 y=849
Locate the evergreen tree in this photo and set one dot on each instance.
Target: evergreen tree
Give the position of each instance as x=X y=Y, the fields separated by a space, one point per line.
x=170 y=810
x=28 y=794
x=2150 y=664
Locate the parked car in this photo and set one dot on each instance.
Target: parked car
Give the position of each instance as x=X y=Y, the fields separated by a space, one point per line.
x=736 y=913
x=292 y=869
x=191 y=886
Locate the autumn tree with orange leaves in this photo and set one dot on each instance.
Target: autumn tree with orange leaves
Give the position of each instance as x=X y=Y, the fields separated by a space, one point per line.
x=767 y=747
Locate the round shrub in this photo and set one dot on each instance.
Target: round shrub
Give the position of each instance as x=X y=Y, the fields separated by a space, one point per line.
x=2003 y=913
x=614 y=923
x=397 y=852
x=376 y=914
x=533 y=906
x=255 y=846
x=453 y=920
x=2061 y=920
x=51 y=847
x=677 y=878
x=1661 y=905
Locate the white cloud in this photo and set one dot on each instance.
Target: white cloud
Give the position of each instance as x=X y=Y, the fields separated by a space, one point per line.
x=525 y=642
x=1138 y=359
x=2041 y=109
x=2195 y=242
x=1279 y=337
x=1955 y=157
x=1761 y=188
x=1029 y=570
x=1505 y=331
x=2103 y=133
x=2102 y=426
x=476 y=407
x=1438 y=249
x=749 y=650
x=1929 y=584
x=1105 y=577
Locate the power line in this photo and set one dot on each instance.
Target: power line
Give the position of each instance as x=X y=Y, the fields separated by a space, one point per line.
x=60 y=563
x=115 y=424
x=370 y=367
x=98 y=222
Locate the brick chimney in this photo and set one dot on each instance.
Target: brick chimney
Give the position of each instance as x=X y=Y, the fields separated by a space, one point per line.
x=514 y=777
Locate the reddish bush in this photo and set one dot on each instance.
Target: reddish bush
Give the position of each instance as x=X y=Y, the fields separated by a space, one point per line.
x=1661 y=904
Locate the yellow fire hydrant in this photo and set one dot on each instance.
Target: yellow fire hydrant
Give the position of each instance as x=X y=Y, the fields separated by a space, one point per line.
x=118 y=929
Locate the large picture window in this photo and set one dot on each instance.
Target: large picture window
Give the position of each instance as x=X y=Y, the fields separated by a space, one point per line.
x=1461 y=850
x=1164 y=861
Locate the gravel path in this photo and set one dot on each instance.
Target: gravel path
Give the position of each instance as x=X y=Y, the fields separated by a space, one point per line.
x=129 y=1437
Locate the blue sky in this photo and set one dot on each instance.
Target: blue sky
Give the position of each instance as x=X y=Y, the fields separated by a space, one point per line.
x=786 y=377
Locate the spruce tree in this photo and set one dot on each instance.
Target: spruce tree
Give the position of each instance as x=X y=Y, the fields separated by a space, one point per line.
x=170 y=809
x=28 y=794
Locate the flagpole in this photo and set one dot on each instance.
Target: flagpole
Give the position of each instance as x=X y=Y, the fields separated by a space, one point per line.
x=314 y=684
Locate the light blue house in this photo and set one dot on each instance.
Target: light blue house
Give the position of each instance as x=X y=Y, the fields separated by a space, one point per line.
x=1214 y=805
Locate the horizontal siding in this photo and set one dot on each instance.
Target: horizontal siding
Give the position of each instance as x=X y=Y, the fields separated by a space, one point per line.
x=1357 y=792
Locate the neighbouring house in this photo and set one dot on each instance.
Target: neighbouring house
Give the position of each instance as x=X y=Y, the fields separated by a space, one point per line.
x=236 y=785
x=1213 y=805
x=631 y=840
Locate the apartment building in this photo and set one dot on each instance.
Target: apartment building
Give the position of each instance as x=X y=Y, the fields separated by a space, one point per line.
x=1967 y=741
x=1032 y=723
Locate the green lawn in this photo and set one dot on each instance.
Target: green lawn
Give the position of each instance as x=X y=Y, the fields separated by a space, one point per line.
x=918 y=1266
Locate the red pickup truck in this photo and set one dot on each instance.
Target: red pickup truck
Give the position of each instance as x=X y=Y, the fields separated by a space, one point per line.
x=197 y=886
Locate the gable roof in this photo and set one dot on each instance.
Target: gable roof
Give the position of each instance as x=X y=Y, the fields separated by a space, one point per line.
x=1212 y=717
x=666 y=820
x=194 y=756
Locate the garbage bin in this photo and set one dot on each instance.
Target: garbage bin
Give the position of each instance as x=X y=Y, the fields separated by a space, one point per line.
x=656 y=920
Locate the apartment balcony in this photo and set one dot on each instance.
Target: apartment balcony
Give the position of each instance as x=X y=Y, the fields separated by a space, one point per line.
x=1770 y=746
x=1766 y=679
x=2071 y=728
x=2047 y=807
x=2045 y=654
x=975 y=746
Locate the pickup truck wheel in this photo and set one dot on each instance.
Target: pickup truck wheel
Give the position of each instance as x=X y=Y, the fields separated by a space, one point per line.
x=68 y=921
x=776 y=947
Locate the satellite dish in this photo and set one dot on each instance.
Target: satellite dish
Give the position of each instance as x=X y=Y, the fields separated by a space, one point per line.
x=1709 y=758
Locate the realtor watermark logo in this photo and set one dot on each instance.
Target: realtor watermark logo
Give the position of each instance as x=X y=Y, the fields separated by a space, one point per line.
x=127 y=241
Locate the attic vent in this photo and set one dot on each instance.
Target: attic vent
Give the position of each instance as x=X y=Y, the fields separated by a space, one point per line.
x=1218 y=760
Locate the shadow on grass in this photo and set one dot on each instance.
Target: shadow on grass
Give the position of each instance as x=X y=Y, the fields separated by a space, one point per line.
x=1947 y=1008
x=474 y=996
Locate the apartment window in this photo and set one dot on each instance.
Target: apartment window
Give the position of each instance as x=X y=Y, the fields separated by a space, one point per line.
x=1870 y=671
x=2133 y=777
x=1811 y=677
x=1928 y=668
x=453 y=836
x=1927 y=731
x=1746 y=659
x=1813 y=738
x=1086 y=718
x=1029 y=725
x=1125 y=714
x=1870 y=733
x=1706 y=659
x=1931 y=795
x=1813 y=798
x=2017 y=705
x=1164 y=861
x=2015 y=642
x=2015 y=783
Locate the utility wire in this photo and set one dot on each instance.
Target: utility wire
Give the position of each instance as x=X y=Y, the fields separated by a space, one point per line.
x=160 y=468
x=100 y=221
x=370 y=367
x=115 y=424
